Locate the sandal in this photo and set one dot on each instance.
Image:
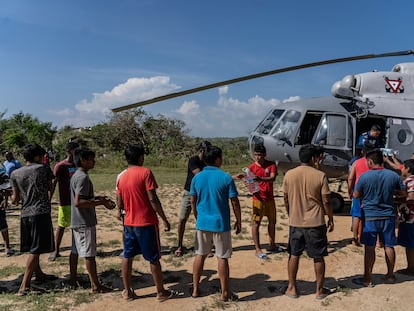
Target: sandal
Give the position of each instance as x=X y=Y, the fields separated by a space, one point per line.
x=126 y=295
x=172 y=293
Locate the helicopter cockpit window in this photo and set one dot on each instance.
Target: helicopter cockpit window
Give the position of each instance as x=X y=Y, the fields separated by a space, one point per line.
x=332 y=131
x=285 y=128
x=267 y=124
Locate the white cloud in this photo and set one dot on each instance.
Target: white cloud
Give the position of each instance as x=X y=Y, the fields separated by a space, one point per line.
x=291 y=99
x=226 y=116
x=190 y=108
x=133 y=90
x=223 y=90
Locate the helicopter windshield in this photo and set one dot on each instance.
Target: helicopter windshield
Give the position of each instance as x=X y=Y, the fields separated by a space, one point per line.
x=267 y=124
x=285 y=128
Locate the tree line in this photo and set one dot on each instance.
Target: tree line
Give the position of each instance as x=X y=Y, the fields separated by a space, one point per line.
x=167 y=140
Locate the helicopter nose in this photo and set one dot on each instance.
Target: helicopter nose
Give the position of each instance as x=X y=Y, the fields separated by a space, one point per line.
x=256 y=140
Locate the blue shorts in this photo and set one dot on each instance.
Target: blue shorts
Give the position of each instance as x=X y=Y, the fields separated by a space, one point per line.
x=356 y=208
x=385 y=228
x=406 y=235
x=142 y=240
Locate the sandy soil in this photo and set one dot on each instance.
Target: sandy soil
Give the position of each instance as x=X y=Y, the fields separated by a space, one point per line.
x=258 y=282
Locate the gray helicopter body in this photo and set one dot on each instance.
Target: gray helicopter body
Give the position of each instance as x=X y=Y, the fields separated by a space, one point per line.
x=361 y=100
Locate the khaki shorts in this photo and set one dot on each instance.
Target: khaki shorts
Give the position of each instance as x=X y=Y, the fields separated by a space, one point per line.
x=221 y=241
x=264 y=208
x=185 y=210
x=84 y=241
x=64 y=216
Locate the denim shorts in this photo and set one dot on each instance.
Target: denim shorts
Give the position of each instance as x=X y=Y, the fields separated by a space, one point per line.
x=385 y=228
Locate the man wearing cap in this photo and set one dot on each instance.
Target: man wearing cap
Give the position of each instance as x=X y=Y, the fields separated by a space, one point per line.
x=373 y=137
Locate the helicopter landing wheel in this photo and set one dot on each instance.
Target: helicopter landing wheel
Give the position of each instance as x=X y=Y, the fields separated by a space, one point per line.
x=337 y=202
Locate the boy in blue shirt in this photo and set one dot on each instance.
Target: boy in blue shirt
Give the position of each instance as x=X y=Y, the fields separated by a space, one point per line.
x=376 y=188
x=210 y=192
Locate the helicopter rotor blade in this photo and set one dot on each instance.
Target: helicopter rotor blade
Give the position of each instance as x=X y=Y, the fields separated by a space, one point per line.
x=258 y=75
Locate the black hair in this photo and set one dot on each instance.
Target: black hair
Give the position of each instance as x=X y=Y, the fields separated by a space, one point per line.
x=213 y=153
x=306 y=152
x=376 y=127
x=260 y=148
x=367 y=148
x=32 y=150
x=82 y=154
x=204 y=146
x=319 y=150
x=133 y=153
x=410 y=165
x=376 y=156
x=71 y=146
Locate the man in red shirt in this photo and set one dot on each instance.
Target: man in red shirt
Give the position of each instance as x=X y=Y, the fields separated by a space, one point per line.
x=137 y=196
x=263 y=201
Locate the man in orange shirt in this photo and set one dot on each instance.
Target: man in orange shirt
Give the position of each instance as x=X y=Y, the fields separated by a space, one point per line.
x=137 y=196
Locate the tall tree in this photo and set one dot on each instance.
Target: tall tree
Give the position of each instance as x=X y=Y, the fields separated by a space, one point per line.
x=22 y=129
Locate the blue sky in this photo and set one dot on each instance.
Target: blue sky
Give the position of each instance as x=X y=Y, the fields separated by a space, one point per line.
x=69 y=62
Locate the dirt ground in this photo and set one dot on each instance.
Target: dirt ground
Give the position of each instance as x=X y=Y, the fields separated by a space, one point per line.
x=257 y=282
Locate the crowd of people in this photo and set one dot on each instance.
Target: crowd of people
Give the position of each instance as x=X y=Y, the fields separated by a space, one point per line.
x=210 y=194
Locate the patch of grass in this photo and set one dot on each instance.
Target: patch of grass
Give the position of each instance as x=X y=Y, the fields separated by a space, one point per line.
x=110 y=243
x=54 y=300
x=11 y=270
x=346 y=291
x=326 y=302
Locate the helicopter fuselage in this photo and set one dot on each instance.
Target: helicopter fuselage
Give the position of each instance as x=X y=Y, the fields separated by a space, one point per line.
x=383 y=98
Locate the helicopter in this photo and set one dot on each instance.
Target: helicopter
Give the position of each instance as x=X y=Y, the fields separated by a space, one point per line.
x=384 y=98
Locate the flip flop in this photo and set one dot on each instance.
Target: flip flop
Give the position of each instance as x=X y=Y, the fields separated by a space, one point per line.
x=283 y=290
x=325 y=293
x=360 y=282
x=129 y=298
x=173 y=293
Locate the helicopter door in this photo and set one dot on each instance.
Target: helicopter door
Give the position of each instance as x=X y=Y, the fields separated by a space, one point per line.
x=334 y=132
